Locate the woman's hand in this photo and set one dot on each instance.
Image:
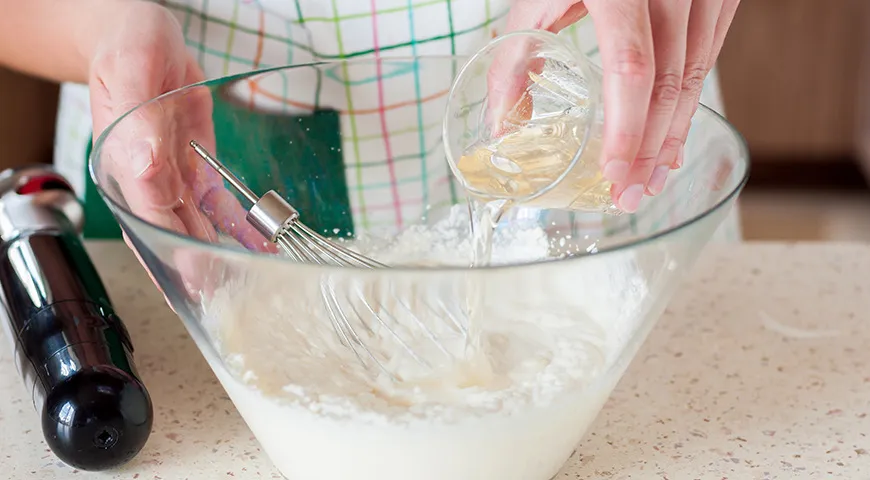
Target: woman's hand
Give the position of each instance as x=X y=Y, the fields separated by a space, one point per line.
x=655 y=55
x=141 y=55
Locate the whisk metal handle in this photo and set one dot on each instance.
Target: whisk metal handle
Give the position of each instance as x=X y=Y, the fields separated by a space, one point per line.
x=269 y=214
x=222 y=170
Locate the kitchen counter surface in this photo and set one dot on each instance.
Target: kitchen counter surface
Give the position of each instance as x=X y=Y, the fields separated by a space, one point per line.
x=759 y=370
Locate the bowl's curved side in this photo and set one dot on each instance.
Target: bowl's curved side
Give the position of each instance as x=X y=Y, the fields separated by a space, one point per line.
x=661 y=219
x=612 y=297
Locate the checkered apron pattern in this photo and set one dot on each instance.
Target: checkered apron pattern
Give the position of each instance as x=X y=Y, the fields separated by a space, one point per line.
x=383 y=142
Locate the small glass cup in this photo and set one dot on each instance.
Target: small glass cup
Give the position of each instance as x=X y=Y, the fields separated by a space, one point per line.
x=538 y=144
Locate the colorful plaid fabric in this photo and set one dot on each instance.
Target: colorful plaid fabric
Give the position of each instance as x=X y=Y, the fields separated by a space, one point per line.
x=384 y=141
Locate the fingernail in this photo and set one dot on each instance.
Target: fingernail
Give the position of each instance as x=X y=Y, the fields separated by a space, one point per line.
x=616 y=170
x=629 y=201
x=657 y=180
x=679 y=160
x=141 y=157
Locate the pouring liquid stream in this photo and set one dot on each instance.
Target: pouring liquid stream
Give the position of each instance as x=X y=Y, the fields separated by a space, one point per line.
x=546 y=157
x=518 y=165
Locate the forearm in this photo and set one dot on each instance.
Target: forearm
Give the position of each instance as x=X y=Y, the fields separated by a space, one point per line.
x=54 y=39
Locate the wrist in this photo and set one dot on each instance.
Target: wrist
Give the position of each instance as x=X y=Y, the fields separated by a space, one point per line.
x=100 y=28
x=54 y=39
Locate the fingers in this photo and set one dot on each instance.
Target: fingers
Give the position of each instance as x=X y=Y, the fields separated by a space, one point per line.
x=655 y=55
x=703 y=20
x=195 y=273
x=141 y=262
x=626 y=46
x=507 y=77
x=507 y=80
x=153 y=192
x=228 y=216
x=573 y=15
x=136 y=150
x=211 y=197
x=544 y=14
x=148 y=270
x=199 y=272
x=162 y=179
x=729 y=9
x=147 y=153
x=140 y=153
x=669 y=20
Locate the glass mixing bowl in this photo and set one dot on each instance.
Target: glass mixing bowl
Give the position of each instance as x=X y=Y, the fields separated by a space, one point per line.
x=356 y=146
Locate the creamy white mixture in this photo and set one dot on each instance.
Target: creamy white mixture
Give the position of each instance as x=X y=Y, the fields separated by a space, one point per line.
x=513 y=407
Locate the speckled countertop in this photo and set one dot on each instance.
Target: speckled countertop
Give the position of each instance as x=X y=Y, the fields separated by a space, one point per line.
x=760 y=370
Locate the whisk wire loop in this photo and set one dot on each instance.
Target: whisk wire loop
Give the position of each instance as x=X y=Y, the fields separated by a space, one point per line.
x=360 y=319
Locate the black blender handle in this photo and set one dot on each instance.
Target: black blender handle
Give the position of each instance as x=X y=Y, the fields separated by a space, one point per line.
x=73 y=351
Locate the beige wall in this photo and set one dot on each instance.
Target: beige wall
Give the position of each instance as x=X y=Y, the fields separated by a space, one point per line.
x=27 y=115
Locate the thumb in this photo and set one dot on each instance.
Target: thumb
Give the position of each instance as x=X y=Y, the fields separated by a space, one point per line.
x=141 y=58
x=514 y=58
x=138 y=142
x=508 y=103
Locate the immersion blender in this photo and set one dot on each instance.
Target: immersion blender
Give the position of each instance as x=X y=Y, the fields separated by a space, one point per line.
x=73 y=352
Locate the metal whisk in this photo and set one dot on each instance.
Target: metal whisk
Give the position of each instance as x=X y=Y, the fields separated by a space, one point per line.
x=359 y=317
x=278 y=221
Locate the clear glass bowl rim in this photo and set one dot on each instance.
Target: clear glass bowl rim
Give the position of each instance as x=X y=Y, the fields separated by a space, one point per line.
x=233 y=250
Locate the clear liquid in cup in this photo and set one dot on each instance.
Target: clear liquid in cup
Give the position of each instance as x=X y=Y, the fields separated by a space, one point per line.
x=531 y=159
x=544 y=153
x=539 y=139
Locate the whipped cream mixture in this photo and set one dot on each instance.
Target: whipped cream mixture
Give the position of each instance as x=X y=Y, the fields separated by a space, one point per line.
x=511 y=404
